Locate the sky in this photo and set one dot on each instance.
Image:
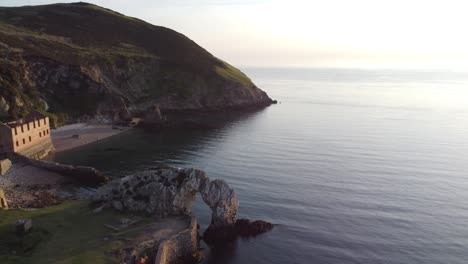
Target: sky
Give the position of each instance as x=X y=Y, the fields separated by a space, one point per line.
x=313 y=33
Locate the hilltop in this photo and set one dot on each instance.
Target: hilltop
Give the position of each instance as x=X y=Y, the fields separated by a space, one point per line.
x=79 y=59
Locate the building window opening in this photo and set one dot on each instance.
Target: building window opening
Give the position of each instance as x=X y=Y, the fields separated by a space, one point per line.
x=17 y=143
x=24 y=141
x=28 y=127
x=40 y=134
x=22 y=129
x=47 y=131
x=16 y=131
x=44 y=122
x=30 y=139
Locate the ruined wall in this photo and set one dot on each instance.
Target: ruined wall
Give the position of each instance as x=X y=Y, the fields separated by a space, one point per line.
x=180 y=248
x=38 y=151
x=30 y=134
x=78 y=173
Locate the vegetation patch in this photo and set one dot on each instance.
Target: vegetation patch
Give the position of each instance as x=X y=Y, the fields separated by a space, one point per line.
x=229 y=72
x=67 y=233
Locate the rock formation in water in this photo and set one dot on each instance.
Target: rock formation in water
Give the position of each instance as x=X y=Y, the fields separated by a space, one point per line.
x=171 y=191
x=78 y=59
x=153 y=117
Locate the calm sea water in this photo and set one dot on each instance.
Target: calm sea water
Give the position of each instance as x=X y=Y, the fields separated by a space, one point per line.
x=354 y=166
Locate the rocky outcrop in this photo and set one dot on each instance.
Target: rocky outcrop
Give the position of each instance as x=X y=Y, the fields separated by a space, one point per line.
x=153 y=117
x=170 y=191
x=180 y=248
x=167 y=191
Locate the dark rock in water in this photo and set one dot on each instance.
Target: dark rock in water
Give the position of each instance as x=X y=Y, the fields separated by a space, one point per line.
x=154 y=116
x=246 y=227
x=242 y=228
x=214 y=235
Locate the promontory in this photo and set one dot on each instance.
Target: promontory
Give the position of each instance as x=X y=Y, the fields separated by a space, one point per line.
x=79 y=59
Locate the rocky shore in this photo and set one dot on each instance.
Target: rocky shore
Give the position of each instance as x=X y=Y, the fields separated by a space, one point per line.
x=163 y=196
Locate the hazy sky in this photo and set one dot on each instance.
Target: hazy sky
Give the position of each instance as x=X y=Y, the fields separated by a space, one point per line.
x=313 y=33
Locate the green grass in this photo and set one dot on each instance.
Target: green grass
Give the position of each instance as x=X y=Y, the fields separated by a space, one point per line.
x=68 y=233
x=229 y=72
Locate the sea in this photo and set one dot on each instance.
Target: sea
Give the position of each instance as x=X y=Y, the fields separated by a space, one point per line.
x=352 y=166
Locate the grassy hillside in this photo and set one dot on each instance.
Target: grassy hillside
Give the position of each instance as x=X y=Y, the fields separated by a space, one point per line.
x=51 y=53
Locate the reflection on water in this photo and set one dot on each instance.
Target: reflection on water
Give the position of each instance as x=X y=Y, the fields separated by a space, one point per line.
x=139 y=148
x=354 y=166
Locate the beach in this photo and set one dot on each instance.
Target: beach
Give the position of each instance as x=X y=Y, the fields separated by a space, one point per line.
x=80 y=134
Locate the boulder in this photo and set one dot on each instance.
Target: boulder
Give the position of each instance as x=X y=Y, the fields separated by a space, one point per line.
x=154 y=116
x=4 y=106
x=5 y=165
x=23 y=226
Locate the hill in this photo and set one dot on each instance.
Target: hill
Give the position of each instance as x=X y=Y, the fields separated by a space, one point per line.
x=79 y=59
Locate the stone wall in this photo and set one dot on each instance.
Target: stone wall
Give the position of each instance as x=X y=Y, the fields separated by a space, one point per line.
x=180 y=248
x=38 y=151
x=80 y=174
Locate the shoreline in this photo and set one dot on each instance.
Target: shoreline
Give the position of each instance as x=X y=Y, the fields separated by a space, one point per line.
x=80 y=134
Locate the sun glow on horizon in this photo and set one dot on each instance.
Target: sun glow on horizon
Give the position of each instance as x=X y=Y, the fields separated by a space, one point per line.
x=314 y=33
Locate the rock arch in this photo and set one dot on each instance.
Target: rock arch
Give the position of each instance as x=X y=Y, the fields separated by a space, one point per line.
x=167 y=191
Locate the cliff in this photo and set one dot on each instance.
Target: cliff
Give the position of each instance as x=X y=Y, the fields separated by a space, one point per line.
x=80 y=59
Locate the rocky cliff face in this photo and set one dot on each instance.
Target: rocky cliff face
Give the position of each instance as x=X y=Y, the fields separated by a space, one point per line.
x=81 y=59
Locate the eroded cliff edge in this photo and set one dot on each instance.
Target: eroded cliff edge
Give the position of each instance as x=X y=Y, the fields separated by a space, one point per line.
x=81 y=59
